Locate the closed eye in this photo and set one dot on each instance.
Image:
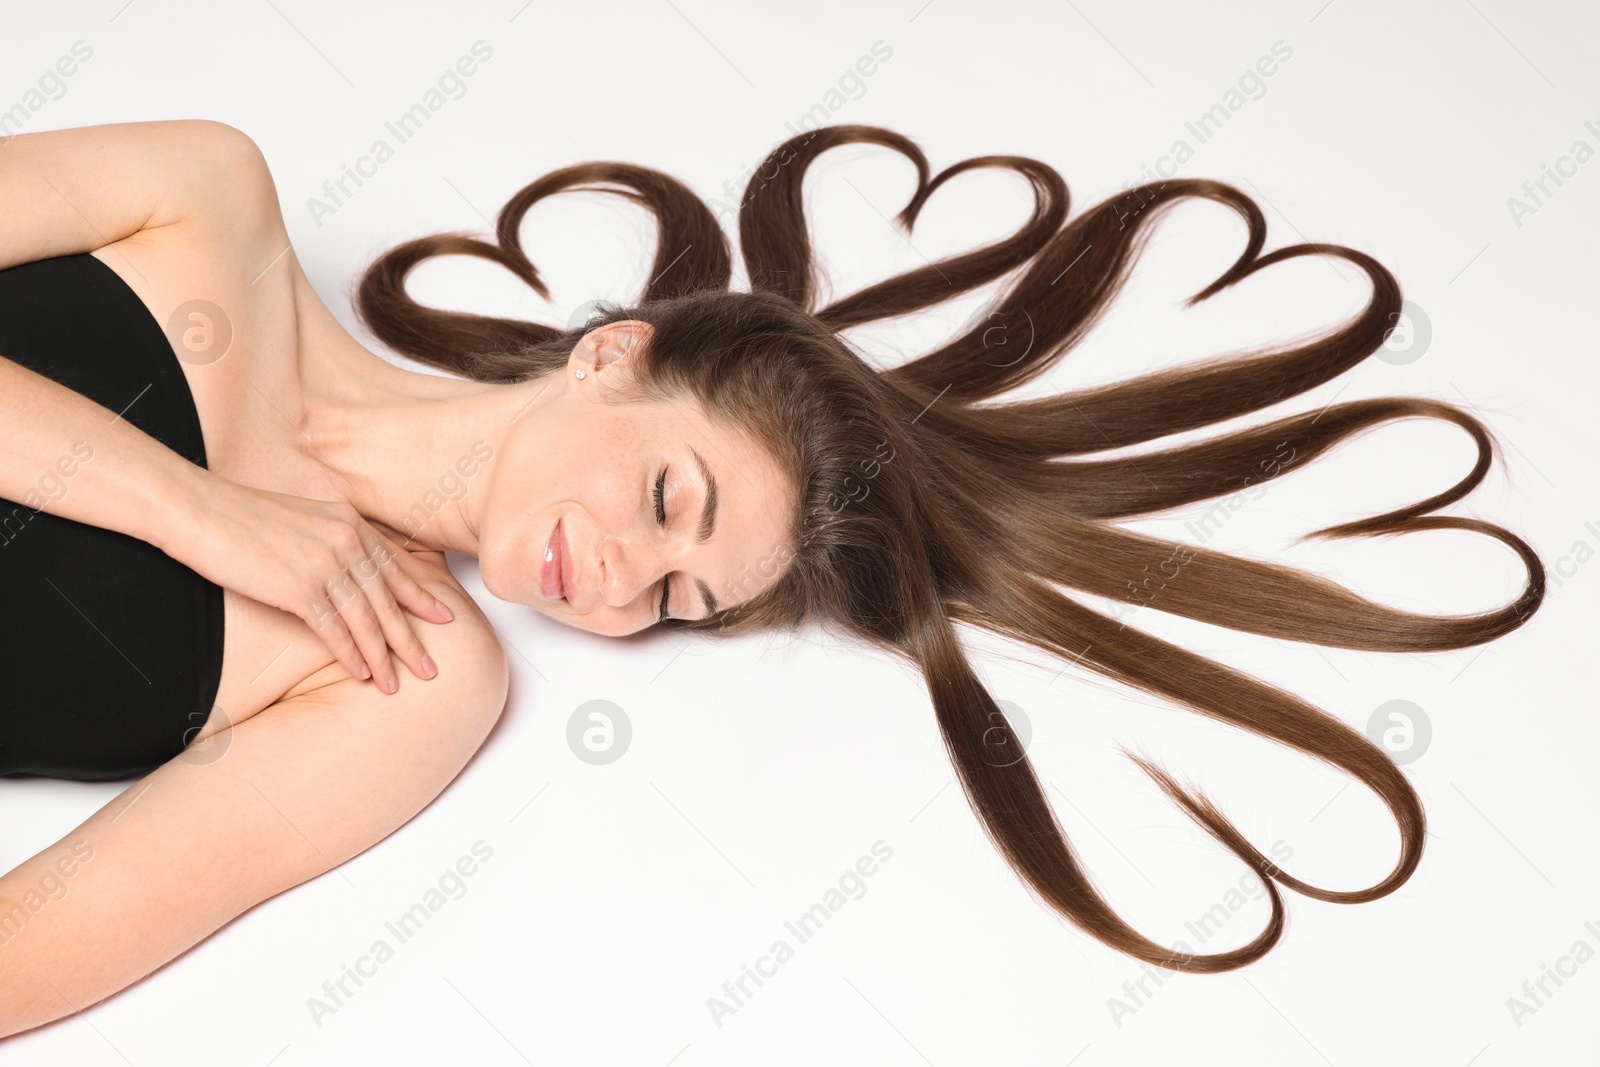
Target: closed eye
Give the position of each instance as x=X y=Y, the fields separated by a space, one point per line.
x=661 y=518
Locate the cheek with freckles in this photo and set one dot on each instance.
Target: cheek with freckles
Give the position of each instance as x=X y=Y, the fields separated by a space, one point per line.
x=595 y=474
x=516 y=524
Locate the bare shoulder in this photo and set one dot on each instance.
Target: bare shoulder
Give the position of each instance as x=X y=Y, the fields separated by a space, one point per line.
x=223 y=207
x=468 y=641
x=77 y=190
x=284 y=796
x=241 y=198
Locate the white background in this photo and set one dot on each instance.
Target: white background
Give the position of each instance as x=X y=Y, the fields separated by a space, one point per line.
x=619 y=898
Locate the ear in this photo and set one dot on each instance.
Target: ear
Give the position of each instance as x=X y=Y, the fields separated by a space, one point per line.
x=605 y=346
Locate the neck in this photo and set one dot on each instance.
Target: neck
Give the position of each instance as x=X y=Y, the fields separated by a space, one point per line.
x=407 y=448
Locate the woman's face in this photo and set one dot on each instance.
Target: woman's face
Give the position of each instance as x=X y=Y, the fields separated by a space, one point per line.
x=570 y=524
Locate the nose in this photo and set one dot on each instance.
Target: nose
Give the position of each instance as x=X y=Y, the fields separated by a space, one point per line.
x=629 y=569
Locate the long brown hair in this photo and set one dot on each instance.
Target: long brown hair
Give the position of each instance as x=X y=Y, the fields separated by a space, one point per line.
x=924 y=503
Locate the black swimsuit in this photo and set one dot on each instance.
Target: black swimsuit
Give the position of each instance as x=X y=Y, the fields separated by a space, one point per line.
x=110 y=650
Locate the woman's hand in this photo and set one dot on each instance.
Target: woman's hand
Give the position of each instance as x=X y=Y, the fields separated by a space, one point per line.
x=321 y=560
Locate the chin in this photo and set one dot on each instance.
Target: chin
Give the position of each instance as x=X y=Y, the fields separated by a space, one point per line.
x=489 y=572
x=571 y=621
x=579 y=622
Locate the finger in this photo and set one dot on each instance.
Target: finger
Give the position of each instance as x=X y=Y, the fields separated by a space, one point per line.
x=324 y=620
x=397 y=630
x=403 y=584
x=365 y=628
x=355 y=614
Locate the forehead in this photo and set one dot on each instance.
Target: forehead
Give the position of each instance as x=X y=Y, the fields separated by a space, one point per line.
x=755 y=499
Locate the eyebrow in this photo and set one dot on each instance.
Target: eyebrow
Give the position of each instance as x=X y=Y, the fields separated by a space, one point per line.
x=708 y=525
x=708 y=515
x=705 y=594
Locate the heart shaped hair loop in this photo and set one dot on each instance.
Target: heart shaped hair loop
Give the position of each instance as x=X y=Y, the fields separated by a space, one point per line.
x=691 y=255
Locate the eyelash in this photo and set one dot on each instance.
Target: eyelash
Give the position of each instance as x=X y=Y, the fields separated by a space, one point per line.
x=661 y=517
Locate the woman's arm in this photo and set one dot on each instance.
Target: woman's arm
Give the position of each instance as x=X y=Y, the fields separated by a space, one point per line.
x=72 y=191
x=298 y=789
x=279 y=549
x=122 y=478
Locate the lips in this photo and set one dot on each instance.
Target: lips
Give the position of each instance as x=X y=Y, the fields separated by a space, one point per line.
x=564 y=558
x=553 y=571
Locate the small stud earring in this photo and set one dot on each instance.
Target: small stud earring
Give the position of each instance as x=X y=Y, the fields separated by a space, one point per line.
x=580 y=374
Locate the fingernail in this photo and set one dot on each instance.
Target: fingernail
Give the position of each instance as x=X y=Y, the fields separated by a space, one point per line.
x=366 y=672
x=428 y=665
x=445 y=611
x=391 y=684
